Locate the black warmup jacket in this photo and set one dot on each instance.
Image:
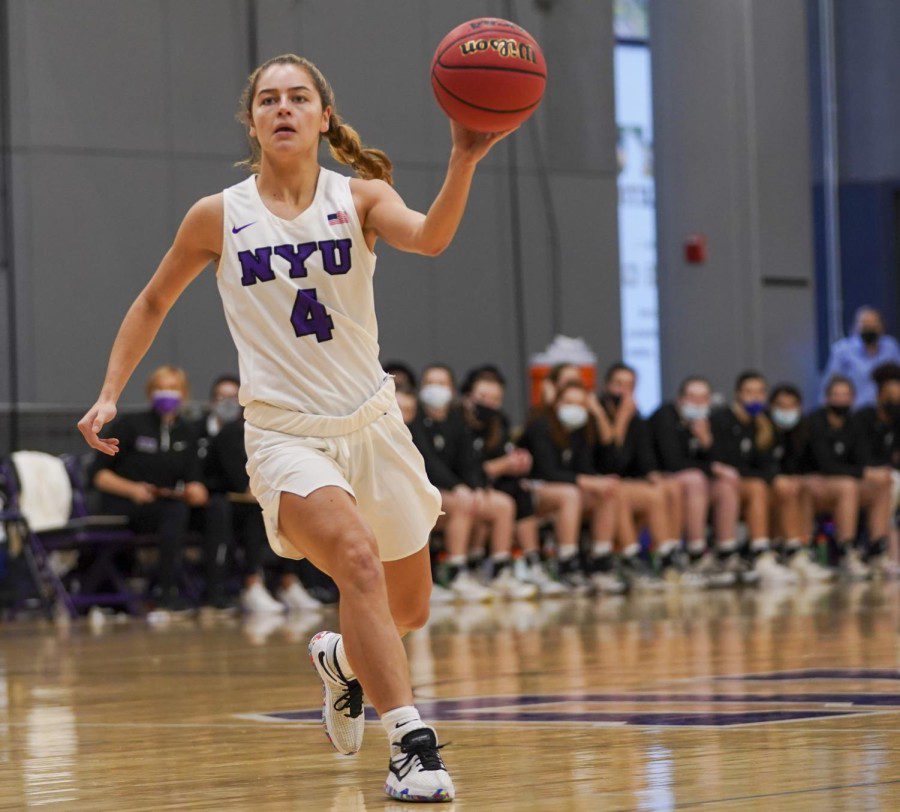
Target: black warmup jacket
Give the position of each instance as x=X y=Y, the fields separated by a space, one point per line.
x=734 y=443
x=675 y=446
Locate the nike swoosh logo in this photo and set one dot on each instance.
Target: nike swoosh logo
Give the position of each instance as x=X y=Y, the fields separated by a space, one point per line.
x=235 y=230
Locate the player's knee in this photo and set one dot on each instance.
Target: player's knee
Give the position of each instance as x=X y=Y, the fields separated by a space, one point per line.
x=359 y=566
x=414 y=615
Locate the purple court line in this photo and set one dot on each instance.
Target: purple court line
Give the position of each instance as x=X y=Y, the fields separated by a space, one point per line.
x=819 y=673
x=488 y=708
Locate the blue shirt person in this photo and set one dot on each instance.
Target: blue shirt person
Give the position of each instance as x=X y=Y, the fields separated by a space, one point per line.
x=857 y=356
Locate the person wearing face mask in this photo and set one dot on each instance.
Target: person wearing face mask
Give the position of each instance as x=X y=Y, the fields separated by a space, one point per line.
x=838 y=449
x=793 y=512
x=508 y=468
x=625 y=448
x=446 y=446
x=744 y=438
x=880 y=429
x=683 y=442
x=859 y=355
x=156 y=478
x=561 y=441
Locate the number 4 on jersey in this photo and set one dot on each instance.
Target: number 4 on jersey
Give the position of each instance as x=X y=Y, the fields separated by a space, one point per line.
x=310 y=317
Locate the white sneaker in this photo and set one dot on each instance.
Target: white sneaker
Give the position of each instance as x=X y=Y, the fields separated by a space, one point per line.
x=546 y=586
x=468 y=590
x=256 y=600
x=807 y=569
x=506 y=585
x=771 y=573
x=441 y=595
x=343 y=715
x=297 y=599
x=853 y=567
x=710 y=568
x=885 y=567
x=608 y=584
x=417 y=771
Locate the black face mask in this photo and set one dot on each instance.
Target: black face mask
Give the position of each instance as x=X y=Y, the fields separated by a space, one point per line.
x=893 y=411
x=614 y=400
x=870 y=337
x=839 y=411
x=484 y=414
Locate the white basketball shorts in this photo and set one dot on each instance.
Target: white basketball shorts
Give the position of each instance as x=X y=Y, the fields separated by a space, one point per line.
x=369 y=453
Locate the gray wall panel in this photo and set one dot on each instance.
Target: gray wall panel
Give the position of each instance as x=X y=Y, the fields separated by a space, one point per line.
x=732 y=160
x=88 y=263
x=96 y=73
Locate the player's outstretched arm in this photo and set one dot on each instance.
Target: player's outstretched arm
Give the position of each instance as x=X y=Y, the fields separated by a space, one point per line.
x=197 y=243
x=388 y=217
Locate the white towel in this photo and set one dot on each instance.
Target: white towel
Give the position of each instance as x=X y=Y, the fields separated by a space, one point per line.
x=45 y=497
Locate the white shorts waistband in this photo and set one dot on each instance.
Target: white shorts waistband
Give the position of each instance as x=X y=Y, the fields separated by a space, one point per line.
x=299 y=424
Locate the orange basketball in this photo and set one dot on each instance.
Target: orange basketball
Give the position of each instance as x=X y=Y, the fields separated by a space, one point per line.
x=488 y=74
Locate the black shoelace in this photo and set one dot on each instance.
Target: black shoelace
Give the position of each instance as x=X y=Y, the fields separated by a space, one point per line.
x=351 y=700
x=428 y=755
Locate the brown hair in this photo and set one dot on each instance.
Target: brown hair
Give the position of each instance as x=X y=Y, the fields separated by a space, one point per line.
x=343 y=141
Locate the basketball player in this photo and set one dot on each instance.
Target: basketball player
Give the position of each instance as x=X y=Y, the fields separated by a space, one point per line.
x=330 y=460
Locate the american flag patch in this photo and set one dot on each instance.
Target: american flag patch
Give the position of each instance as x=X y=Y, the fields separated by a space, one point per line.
x=337 y=218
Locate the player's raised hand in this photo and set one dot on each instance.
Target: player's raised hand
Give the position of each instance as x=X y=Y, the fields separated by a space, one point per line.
x=101 y=413
x=474 y=145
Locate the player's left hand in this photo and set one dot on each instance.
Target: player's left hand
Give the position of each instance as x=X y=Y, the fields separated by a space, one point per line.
x=474 y=145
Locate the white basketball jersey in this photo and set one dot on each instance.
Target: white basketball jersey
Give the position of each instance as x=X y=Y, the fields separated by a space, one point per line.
x=299 y=300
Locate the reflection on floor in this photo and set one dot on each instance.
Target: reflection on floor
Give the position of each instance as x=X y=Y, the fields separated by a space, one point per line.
x=725 y=700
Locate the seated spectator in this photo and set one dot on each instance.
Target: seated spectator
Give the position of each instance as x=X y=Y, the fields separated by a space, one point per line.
x=838 y=449
x=881 y=430
x=446 y=446
x=561 y=441
x=791 y=494
x=403 y=374
x=224 y=407
x=507 y=469
x=683 y=441
x=242 y=522
x=743 y=438
x=859 y=355
x=155 y=478
x=625 y=448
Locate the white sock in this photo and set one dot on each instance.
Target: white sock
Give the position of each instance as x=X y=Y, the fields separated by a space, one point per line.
x=567 y=551
x=342 y=661
x=631 y=550
x=667 y=547
x=399 y=721
x=759 y=545
x=457 y=561
x=794 y=544
x=601 y=548
x=697 y=546
x=727 y=546
x=500 y=557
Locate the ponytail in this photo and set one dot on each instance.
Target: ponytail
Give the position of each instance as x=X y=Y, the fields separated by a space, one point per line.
x=344 y=142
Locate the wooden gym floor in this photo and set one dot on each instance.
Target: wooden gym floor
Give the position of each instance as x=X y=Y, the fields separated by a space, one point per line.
x=722 y=700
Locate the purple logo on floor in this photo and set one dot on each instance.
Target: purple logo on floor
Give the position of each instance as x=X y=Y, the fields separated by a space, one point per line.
x=682 y=707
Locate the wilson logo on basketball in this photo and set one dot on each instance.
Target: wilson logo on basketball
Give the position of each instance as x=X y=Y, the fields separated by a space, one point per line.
x=506 y=48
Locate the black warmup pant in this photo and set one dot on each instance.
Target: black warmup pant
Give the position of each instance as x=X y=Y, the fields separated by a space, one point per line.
x=166 y=518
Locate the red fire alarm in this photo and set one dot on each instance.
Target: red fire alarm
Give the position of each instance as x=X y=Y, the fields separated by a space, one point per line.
x=695 y=249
